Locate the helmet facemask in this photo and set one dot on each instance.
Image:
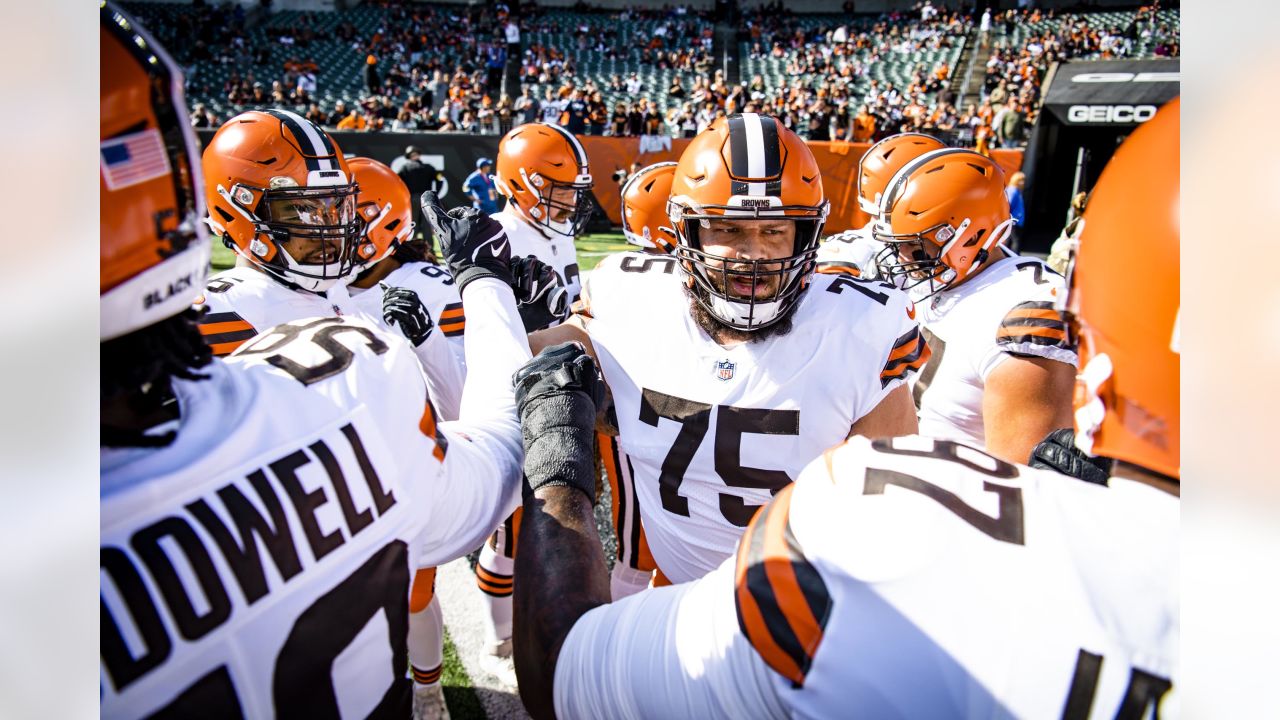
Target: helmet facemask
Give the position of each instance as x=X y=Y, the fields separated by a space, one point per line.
x=917 y=262
x=549 y=203
x=712 y=276
x=316 y=231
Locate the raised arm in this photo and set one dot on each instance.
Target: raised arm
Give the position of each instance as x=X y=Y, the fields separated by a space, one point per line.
x=561 y=565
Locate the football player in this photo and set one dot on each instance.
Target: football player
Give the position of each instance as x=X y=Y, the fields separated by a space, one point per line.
x=854 y=251
x=543 y=172
x=1003 y=365
x=731 y=364
x=646 y=225
x=408 y=292
x=261 y=516
x=904 y=577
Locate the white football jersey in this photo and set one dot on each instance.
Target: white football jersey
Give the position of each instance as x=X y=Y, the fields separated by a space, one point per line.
x=242 y=300
x=1004 y=311
x=552 y=248
x=260 y=565
x=848 y=251
x=711 y=433
x=442 y=352
x=906 y=578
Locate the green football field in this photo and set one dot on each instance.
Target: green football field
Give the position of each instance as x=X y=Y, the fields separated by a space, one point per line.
x=591 y=248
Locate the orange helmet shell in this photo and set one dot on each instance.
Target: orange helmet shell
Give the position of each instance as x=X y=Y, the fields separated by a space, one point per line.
x=535 y=158
x=879 y=164
x=384 y=205
x=256 y=152
x=154 y=253
x=1124 y=303
x=644 y=207
x=952 y=204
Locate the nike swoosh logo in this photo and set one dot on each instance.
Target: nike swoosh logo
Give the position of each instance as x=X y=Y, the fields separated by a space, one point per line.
x=495 y=250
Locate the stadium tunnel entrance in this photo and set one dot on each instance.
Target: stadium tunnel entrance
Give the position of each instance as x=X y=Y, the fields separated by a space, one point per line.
x=1089 y=108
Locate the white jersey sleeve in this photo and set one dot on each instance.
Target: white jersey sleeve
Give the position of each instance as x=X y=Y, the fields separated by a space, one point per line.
x=260 y=564
x=441 y=353
x=852 y=251
x=906 y=578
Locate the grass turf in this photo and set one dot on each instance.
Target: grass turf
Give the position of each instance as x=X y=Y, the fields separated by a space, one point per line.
x=591 y=249
x=459 y=694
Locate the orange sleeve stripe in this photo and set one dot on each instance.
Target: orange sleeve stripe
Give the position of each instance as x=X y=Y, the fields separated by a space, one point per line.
x=217 y=328
x=223 y=349
x=452 y=314
x=424 y=589
x=493 y=578
x=750 y=617
x=782 y=576
x=839 y=268
x=610 y=471
x=1032 y=313
x=454 y=325
x=428 y=427
x=1014 y=331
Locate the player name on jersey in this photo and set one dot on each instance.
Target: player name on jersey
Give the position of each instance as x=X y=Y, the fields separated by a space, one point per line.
x=247 y=521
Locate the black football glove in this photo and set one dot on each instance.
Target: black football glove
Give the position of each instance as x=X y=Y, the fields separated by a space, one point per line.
x=1058 y=452
x=403 y=309
x=557 y=395
x=472 y=244
x=540 y=296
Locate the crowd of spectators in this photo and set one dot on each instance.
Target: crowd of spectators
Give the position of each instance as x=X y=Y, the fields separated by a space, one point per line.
x=447 y=68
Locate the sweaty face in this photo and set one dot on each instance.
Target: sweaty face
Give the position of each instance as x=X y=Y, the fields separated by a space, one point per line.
x=746 y=240
x=327 y=215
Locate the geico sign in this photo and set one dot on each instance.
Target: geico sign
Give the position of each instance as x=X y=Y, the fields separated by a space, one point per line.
x=1110 y=113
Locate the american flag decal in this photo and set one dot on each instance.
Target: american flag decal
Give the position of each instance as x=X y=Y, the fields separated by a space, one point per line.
x=134 y=158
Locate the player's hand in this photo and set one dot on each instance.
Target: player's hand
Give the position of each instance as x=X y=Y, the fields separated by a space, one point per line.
x=540 y=296
x=557 y=395
x=472 y=244
x=403 y=309
x=1058 y=452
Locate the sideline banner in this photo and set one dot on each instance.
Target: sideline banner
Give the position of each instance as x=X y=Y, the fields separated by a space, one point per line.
x=455 y=155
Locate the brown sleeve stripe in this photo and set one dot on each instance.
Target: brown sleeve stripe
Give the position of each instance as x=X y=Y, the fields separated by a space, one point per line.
x=452 y=311
x=424 y=589
x=225 y=331
x=429 y=428
x=910 y=353
x=1036 y=322
x=1009 y=331
x=782 y=602
x=839 y=268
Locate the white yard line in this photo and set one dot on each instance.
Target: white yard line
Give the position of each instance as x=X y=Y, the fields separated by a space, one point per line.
x=463 y=605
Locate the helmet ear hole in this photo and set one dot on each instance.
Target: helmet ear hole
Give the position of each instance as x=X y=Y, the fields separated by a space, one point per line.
x=977 y=237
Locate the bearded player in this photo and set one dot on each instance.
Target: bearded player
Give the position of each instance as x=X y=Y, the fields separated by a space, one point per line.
x=731 y=364
x=905 y=577
x=262 y=515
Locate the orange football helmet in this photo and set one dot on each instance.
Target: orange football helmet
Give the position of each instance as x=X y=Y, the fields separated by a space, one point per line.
x=748 y=167
x=1123 y=303
x=644 y=207
x=281 y=195
x=154 y=252
x=879 y=164
x=939 y=217
x=542 y=169
x=383 y=203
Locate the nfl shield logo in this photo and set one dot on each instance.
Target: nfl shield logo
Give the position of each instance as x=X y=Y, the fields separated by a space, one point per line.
x=724 y=369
